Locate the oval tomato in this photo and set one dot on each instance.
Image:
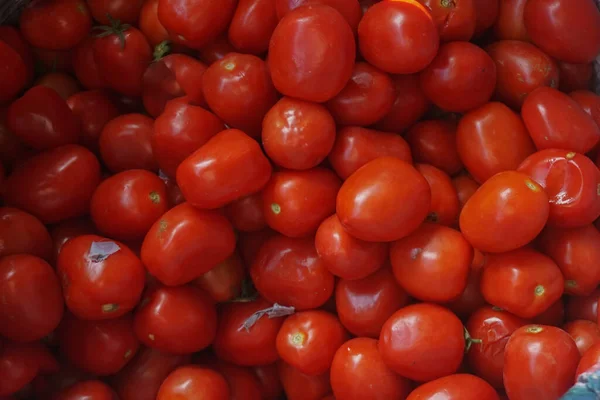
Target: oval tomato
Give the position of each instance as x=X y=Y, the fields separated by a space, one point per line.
x=252 y=26
x=455 y=387
x=15 y=76
x=187 y=381
x=270 y=384
x=471 y=299
x=584 y=333
x=22 y=233
x=434 y=142
x=20 y=363
x=93 y=109
x=582 y=307
x=553 y=316
x=510 y=24
x=455 y=20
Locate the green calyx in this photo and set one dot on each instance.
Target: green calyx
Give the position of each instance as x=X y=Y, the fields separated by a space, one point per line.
x=115 y=28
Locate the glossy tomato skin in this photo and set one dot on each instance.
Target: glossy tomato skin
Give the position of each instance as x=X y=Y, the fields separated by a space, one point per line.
x=149 y=24
x=539 y=361
x=229 y=166
x=247 y=214
x=185 y=243
x=455 y=20
x=571 y=181
x=492 y=219
x=510 y=24
x=223 y=282
x=444 y=208
x=294 y=68
x=350 y=9
x=125 y=11
x=460 y=78
x=22 y=233
x=434 y=142
x=188 y=381
x=252 y=25
x=492 y=139
x=589 y=360
x=93 y=109
x=584 y=333
x=384 y=200
x=299 y=386
x=54 y=185
x=457 y=386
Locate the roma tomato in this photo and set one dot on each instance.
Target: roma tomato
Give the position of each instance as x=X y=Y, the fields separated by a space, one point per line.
x=539 y=361
x=384 y=200
x=444 y=207
x=22 y=233
x=523 y=282
x=492 y=139
x=434 y=142
x=176 y=320
x=20 y=363
x=575 y=76
x=350 y=9
x=298 y=134
x=85 y=66
x=364 y=305
x=486 y=12
x=224 y=282
x=54 y=185
x=434 y=254
x=125 y=11
x=296 y=202
x=571 y=181
x=295 y=70
x=584 y=333
x=229 y=166
x=460 y=78
x=455 y=20
x=93 y=109
x=92 y=390
x=101 y=279
x=61 y=83
x=589 y=360
x=589 y=102
x=252 y=25
x=455 y=387
x=493 y=221
x=185 y=243
x=187 y=382
x=247 y=214
x=465 y=188
x=299 y=386
x=510 y=24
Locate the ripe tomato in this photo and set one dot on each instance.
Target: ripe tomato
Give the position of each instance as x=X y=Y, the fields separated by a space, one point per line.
x=216 y=50
x=270 y=384
x=571 y=181
x=575 y=76
x=539 y=361
x=22 y=233
x=584 y=333
x=149 y=24
x=61 y=83
x=455 y=387
x=589 y=360
x=223 y=282
x=246 y=214
x=185 y=243
x=471 y=299
x=492 y=139
x=87 y=390
x=364 y=305
x=460 y=78
x=243 y=384
x=493 y=221
x=299 y=386
x=298 y=134
x=252 y=25
x=589 y=102
x=553 y=316
x=486 y=12
x=295 y=70
x=15 y=76
x=54 y=185
x=434 y=142
x=510 y=24
x=444 y=207
x=296 y=202
x=582 y=307
x=465 y=188
x=187 y=382
x=93 y=109
x=67 y=230
x=20 y=363
x=384 y=200
x=455 y=20
x=125 y=11
x=85 y=66
x=350 y=9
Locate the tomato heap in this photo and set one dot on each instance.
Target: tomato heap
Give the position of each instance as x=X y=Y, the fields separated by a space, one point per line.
x=299 y=199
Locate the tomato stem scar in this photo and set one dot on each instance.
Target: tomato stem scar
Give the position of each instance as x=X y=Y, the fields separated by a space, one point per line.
x=276 y=208
x=534 y=329
x=110 y=308
x=539 y=290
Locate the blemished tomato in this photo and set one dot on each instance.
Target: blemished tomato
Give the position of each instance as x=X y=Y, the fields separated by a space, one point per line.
x=294 y=68
x=589 y=102
x=229 y=166
x=22 y=233
x=576 y=251
x=367 y=97
x=455 y=20
x=185 y=243
x=486 y=12
x=101 y=279
x=224 y=281
x=290 y=272
x=471 y=299
x=444 y=207
x=584 y=333
x=298 y=134
x=465 y=187
x=582 y=307
x=252 y=25
x=42 y=119
x=455 y=387
x=490 y=328
x=296 y=202
x=299 y=386
x=54 y=185
x=85 y=65
x=353 y=367
x=350 y=9
x=247 y=214
x=492 y=139
x=460 y=78
x=126 y=11
x=510 y=24
x=523 y=282
x=589 y=360
x=555 y=121
x=187 y=382
x=384 y=200
x=493 y=219
x=571 y=181
x=575 y=76
x=434 y=254
x=434 y=142
x=539 y=361
x=61 y=83
x=550 y=26
x=93 y=109
x=270 y=384
x=364 y=305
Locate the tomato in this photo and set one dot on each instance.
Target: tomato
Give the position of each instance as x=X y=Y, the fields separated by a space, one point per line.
x=67 y=230
x=126 y=143
x=486 y=12
x=589 y=102
x=492 y=219
x=61 y=83
x=589 y=360
x=21 y=232
x=409 y=105
x=216 y=50
x=553 y=316
x=290 y=272
x=444 y=207
x=122 y=10
x=465 y=188
x=15 y=76
x=185 y=243
x=21 y=362
x=510 y=24
x=86 y=68
x=246 y=214
x=54 y=60
x=422 y=342
x=55 y=24
x=471 y=299
x=296 y=202
x=384 y=200
x=460 y=78
x=455 y=20
x=539 y=361
x=252 y=25
x=455 y=387
x=270 y=384
x=582 y=307
x=93 y=109
x=54 y=185
x=584 y=333
x=187 y=382
x=243 y=384
x=149 y=24
x=12 y=150
x=87 y=390
x=299 y=386
x=349 y=9
x=224 y=281
x=550 y=25
x=434 y=142
x=571 y=181
x=42 y=119
x=174 y=194
x=295 y=70
x=575 y=76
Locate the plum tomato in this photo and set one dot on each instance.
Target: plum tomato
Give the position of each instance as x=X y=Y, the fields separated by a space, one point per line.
x=247 y=214
x=444 y=207
x=188 y=381
x=510 y=24
x=455 y=20
x=299 y=386
x=434 y=142
x=455 y=387
x=22 y=233
x=584 y=333
x=225 y=281
x=93 y=109
x=15 y=76
x=252 y=26
x=93 y=390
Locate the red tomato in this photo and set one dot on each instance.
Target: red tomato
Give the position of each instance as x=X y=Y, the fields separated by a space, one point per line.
x=493 y=221
x=553 y=316
x=492 y=139
x=246 y=214
x=539 y=361
x=444 y=207
x=229 y=166
x=471 y=299
x=223 y=282
x=510 y=24
x=94 y=109
x=299 y=386
x=589 y=360
x=486 y=14
x=61 y=83
x=290 y=272
x=12 y=150
x=125 y=11
x=54 y=185
x=20 y=363
x=268 y=377
x=296 y=202
x=384 y=200
x=295 y=70
x=566 y=30
x=465 y=188
x=86 y=68
x=434 y=142
x=350 y=9
x=12 y=37
x=298 y=134
x=571 y=181
x=243 y=384
x=42 y=119
x=575 y=76
x=23 y=233
x=252 y=26
x=55 y=24
x=14 y=78
x=216 y=50
x=185 y=243
x=461 y=77
x=54 y=60
x=589 y=102
x=188 y=382
x=455 y=387
x=422 y=342
x=582 y=307
x=67 y=230
x=149 y=24
x=455 y=20
x=584 y=333
x=87 y=390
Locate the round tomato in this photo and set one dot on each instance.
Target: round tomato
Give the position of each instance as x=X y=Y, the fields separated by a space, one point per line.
x=350 y=9
x=510 y=24
x=455 y=20
x=299 y=386
x=85 y=66
x=434 y=142
x=93 y=109
x=125 y=11
x=575 y=76
x=584 y=333
x=589 y=360
x=252 y=26
x=87 y=390
x=223 y=282
x=444 y=207
x=22 y=233
x=247 y=214
x=455 y=387
x=187 y=382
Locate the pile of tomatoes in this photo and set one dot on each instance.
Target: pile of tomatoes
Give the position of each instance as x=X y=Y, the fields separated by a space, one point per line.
x=299 y=199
